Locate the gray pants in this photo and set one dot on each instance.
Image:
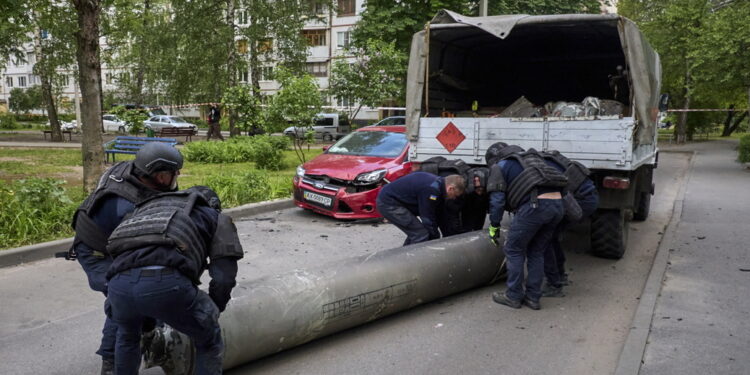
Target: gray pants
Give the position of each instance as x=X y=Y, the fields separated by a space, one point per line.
x=406 y=221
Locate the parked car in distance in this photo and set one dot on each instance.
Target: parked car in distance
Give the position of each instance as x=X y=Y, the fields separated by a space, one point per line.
x=158 y=122
x=345 y=180
x=113 y=123
x=327 y=126
x=392 y=120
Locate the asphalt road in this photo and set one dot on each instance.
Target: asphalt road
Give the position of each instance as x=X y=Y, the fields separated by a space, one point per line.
x=50 y=320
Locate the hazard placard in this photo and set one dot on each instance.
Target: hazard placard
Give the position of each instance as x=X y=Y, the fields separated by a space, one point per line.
x=450 y=137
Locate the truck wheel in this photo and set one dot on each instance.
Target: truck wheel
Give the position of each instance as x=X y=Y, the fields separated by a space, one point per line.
x=644 y=205
x=609 y=234
x=327 y=137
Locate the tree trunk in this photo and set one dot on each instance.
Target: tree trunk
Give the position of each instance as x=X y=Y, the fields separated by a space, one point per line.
x=47 y=96
x=231 y=61
x=737 y=123
x=681 y=129
x=89 y=77
x=728 y=122
x=141 y=73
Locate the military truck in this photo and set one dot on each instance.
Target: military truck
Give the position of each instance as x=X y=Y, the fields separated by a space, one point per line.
x=585 y=85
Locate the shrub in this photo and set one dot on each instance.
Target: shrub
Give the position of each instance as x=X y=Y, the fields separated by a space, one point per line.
x=744 y=149
x=7 y=121
x=266 y=154
x=34 y=210
x=238 y=189
x=264 y=150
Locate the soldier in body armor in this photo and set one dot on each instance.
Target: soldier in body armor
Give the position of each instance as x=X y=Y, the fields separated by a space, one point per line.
x=586 y=196
x=523 y=183
x=159 y=255
x=154 y=170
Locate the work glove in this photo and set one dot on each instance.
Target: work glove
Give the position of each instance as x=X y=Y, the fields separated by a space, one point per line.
x=494 y=234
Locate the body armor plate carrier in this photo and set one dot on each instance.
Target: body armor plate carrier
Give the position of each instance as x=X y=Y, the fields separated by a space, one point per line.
x=536 y=173
x=576 y=172
x=117 y=180
x=163 y=220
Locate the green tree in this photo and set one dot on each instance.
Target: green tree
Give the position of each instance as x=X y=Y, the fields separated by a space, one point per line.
x=297 y=101
x=18 y=101
x=36 y=97
x=248 y=114
x=375 y=77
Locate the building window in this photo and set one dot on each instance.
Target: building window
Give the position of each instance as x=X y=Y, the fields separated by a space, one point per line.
x=315 y=37
x=317 y=7
x=242 y=17
x=243 y=75
x=346 y=8
x=265 y=45
x=317 y=69
x=242 y=46
x=123 y=78
x=32 y=79
x=266 y=73
x=343 y=102
x=64 y=80
x=21 y=81
x=9 y=81
x=108 y=78
x=343 y=39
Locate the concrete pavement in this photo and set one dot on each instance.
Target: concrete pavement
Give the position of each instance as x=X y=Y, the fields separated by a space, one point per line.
x=701 y=323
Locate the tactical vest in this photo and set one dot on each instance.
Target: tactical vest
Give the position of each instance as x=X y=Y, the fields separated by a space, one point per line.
x=117 y=180
x=576 y=172
x=443 y=167
x=163 y=220
x=536 y=173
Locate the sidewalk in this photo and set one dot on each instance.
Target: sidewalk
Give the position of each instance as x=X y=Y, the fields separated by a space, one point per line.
x=701 y=323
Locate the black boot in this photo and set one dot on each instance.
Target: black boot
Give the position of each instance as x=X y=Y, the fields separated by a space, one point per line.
x=552 y=291
x=108 y=366
x=502 y=299
x=534 y=305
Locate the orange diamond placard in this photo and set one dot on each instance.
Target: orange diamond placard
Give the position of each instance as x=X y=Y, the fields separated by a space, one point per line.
x=450 y=137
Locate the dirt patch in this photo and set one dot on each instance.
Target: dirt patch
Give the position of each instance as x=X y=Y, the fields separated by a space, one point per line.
x=73 y=176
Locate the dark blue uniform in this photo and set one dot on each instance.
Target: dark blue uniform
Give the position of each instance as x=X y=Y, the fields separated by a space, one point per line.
x=152 y=281
x=530 y=232
x=554 y=257
x=416 y=194
x=95 y=263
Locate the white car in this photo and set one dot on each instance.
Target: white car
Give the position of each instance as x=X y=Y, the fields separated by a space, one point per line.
x=158 y=122
x=113 y=124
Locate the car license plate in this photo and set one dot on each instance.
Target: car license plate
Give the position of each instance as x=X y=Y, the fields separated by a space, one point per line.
x=317 y=198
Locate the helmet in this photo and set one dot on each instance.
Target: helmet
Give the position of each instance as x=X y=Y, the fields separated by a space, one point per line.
x=500 y=151
x=208 y=194
x=157 y=157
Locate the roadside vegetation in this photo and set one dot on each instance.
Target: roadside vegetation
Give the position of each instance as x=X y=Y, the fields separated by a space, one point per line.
x=744 y=149
x=39 y=191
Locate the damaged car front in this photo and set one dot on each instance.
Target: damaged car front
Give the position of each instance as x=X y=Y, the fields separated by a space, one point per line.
x=345 y=180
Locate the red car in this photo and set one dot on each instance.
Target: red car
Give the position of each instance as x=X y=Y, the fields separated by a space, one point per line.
x=345 y=180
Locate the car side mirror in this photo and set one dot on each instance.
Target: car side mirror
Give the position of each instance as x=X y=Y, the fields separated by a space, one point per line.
x=664 y=102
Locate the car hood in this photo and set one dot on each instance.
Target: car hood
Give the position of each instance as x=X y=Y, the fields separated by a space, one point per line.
x=346 y=167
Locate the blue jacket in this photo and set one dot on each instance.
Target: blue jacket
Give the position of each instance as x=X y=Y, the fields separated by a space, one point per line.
x=421 y=193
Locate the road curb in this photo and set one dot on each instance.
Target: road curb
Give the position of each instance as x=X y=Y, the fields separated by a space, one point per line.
x=634 y=348
x=44 y=250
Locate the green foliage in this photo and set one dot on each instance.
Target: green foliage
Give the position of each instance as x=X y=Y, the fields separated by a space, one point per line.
x=8 y=121
x=133 y=118
x=375 y=77
x=245 y=108
x=34 y=210
x=266 y=151
x=241 y=188
x=18 y=100
x=744 y=149
x=535 y=7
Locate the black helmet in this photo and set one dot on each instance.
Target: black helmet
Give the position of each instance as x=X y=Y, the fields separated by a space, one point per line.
x=500 y=151
x=208 y=194
x=157 y=157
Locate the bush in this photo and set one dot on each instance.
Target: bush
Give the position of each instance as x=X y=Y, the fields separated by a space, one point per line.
x=34 y=210
x=266 y=151
x=744 y=149
x=7 y=121
x=239 y=189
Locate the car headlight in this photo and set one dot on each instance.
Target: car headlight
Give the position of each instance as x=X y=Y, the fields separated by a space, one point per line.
x=370 y=177
x=300 y=171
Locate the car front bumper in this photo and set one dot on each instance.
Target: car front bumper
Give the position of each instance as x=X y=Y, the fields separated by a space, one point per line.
x=336 y=201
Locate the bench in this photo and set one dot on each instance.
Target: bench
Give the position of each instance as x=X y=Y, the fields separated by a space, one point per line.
x=188 y=133
x=130 y=145
x=68 y=132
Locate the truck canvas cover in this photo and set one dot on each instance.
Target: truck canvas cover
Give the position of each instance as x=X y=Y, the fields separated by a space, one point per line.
x=497 y=60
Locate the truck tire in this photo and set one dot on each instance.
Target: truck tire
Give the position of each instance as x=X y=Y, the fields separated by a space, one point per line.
x=609 y=234
x=327 y=137
x=644 y=206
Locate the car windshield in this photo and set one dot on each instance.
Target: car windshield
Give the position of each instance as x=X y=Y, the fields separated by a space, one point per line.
x=370 y=143
x=176 y=119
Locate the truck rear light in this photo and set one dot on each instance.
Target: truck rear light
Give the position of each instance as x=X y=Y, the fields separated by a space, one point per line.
x=616 y=182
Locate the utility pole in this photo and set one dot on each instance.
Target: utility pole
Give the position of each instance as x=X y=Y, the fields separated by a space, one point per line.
x=482 y=8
